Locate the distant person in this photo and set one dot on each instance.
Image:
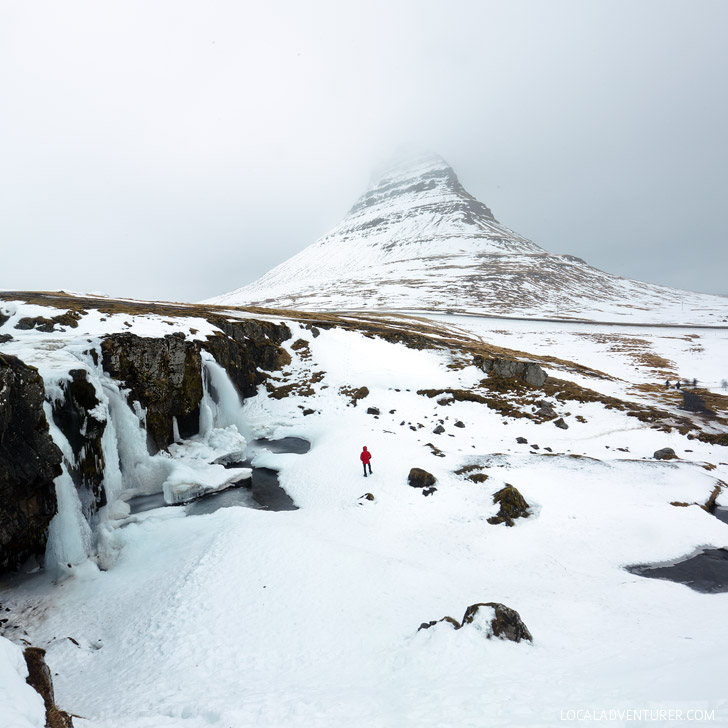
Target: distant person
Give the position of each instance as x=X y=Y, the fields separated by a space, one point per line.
x=695 y=383
x=677 y=384
x=365 y=458
x=668 y=384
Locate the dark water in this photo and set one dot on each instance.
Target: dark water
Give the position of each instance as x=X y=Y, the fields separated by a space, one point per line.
x=705 y=572
x=721 y=513
x=262 y=491
x=295 y=445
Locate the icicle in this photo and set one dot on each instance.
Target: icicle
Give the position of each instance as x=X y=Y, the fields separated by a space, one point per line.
x=69 y=534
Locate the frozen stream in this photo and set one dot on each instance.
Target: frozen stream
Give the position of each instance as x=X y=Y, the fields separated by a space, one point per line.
x=262 y=491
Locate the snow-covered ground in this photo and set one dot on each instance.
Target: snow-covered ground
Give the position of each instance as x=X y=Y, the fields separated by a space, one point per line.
x=307 y=618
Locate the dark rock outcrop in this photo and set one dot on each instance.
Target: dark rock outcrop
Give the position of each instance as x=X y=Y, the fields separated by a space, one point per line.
x=506 y=623
x=666 y=453
x=529 y=372
x=247 y=348
x=561 y=424
x=419 y=478
x=39 y=678
x=79 y=421
x=29 y=462
x=512 y=505
x=164 y=376
x=373 y=410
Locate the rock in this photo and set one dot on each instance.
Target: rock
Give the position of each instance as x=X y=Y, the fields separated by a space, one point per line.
x=373 y=410
x=5 y=338
x=492 y=618
x=522 y=441
x=29 y=463
x=367 y=496
x=78 y=419
x=459 y=424
x=439 y=430
x=529 y=372
x=449 y=620
x=667 y=453
x=419 y=478
x=512 y=505
x=561 y=424
x=39 y=678
x=429 y=491
x=164 y=376
x=315 y=332
x=308 y=411
x=505 y=623
x=535 y=447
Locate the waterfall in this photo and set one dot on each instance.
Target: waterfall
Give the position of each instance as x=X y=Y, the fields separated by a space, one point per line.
x=192 y=467
x=221 y=405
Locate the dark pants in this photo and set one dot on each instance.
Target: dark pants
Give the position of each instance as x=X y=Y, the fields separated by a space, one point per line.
x=369 y=465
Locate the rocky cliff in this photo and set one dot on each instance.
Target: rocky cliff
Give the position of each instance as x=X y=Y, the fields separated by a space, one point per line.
x=29 y=462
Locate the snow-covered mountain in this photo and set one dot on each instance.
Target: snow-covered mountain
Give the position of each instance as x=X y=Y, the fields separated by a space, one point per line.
x=418 y=240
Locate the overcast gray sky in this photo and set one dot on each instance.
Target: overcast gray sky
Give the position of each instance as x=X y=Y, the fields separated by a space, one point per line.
x=176 y=150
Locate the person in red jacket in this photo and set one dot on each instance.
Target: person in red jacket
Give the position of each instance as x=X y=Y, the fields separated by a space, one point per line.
x=365 y=458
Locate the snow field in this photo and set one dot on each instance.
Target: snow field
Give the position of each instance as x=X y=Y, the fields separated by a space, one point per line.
x=309 y=618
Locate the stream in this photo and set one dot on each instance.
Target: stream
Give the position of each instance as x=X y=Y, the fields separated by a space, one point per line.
x=262 y=491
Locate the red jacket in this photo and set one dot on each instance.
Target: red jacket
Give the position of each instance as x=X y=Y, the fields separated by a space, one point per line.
x=365 y=456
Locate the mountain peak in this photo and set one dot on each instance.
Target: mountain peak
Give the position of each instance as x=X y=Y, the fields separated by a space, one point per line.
x=418 y=177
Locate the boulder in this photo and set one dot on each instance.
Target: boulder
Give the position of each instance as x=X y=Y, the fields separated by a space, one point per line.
x=373 y=410
x=522 y=441
x=502 y=622
x=512 y=505
x=419 y=478
x=459 y=424
x=492 y=618
x=529 y=372
x=438 y=430
x=561 y=424
x=29 y=463
x=667 y=453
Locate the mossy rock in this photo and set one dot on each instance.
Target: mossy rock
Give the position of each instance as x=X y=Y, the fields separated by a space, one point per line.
x=512 y=505
x=419 y=478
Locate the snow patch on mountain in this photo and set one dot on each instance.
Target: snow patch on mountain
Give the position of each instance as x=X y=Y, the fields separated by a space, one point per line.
x=417 y=240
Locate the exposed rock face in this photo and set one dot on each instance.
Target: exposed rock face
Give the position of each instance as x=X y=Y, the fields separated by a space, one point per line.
x=529 y=372
x=78 y=419
x=248 y=347
x=667 y=453
x=561 y=424
x=29 y=462
x=164 y=376
x=505 y=623
x=512 y=505
x=39 y=678
x=419 y=478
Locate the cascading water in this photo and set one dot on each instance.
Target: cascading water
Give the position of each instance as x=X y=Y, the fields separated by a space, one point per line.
x=191 y=468
x=220 y=398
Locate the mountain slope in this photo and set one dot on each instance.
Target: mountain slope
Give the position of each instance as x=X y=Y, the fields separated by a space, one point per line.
x=418 y=240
